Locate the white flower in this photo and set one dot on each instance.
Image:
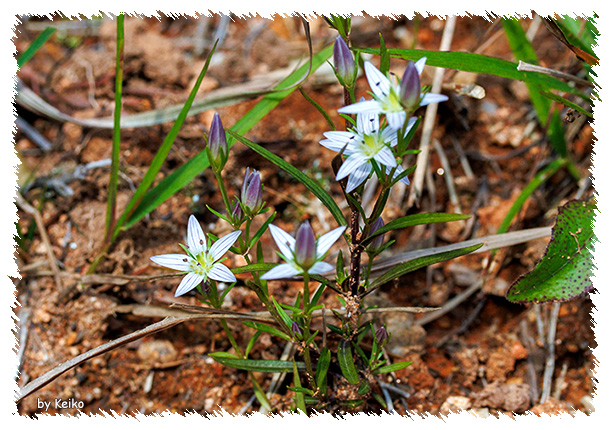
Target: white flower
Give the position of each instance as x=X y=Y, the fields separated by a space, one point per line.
x=201 y=262
x=388 y=96
x=363 y=145
x=292 y=250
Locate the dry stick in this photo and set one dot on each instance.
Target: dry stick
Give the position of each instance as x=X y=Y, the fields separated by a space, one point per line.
x=549 y=367
x=24 y=323
x=560 y=381
x=453 y=198
x=527 y=67
x=52 y=374
x=463 y=159
x=25 y=206
x=529 y=344
x=279 y=377
x=429 y=120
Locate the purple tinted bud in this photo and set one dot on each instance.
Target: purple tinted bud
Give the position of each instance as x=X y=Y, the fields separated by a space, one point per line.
x=381 y=335
x=410 y=87
x=237 y=213
x=305 y=247
x=344 y=62
x=217 y=141
x=296 y=330
x=376 y=244
x=252 y=192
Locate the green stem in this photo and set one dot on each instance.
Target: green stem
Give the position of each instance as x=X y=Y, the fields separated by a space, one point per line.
x=227 y=330
x=116 y=135
x=223 y=191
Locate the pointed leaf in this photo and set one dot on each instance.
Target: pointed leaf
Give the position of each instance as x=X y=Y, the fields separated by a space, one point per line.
x=267 y=329
x=565 y=270
x=344 y=353
x=256 y=365
x=392 y=367
x=418 y=263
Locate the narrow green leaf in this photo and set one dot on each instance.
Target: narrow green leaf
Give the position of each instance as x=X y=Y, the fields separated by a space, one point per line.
x=392 y=367
x=299 y=397
x=364 y=388
x=163 y=151
x=565 y=270
x=403 y=174
x=218 y=214
x=541 y=177
x=257 y=365
x=309 y=183
x=260 y=394
x=35 y=46
x=267 y=329
x=116 y=131
x=346 y=363
x=196 y=165
x=257 y=267
x=299 y=389
x=418 y=263
x=316 y=297
x=384 y=61
x=322 y=369
x=477 y=63
x=280 y=310
x=261 y=230
x=251 y=343
x=566 y=103
x=415 y=219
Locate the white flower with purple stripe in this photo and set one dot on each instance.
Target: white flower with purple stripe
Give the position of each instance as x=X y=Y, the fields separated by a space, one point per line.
x=303 y=254
x=201 y=262
x=363 y=145
x=389 y=98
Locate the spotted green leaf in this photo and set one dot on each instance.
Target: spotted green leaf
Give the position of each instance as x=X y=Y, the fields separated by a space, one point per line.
x=564 y=272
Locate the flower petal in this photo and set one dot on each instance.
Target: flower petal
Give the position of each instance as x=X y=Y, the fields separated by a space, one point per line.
x=365 y=106
x=190 y=281
x=396 y=119
x=223 y=244
x=367 y=122
x=433 y=98
x=358 y=176
x=281 y=271
x=173 y=261
x=378 y=82
x=326 y=241
x=337 y=140
x=320 y=267
x=195 y=239
x=220 y=272
x=352 y=163
x=385 y=157
x=284 y=241
x=419 y=65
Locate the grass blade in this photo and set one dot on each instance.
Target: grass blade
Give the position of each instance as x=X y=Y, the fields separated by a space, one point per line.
x=256 y=365
x=157 y=162
x=116 y=132
x=187 y=172
x=542 y=176
x=35 y=46
x=309 y=183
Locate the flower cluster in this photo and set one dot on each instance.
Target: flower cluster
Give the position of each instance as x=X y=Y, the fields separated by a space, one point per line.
x=370 y=141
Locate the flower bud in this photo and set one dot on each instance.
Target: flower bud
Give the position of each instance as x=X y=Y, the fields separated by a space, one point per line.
x=251 y=192
x=217 y=142
x=410 y=87
x=238 y=214
x=376 y=244
x=305 y=247
x=381 y=335
x=296 y=330
x=345 y=67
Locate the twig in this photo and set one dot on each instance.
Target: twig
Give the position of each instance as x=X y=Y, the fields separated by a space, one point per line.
x=450 y=305
x=388 y=399
x=560 y=381
x=448 y=175
x=33 y=134
x=25 y=206
x=549 y=367
x=527 y=67
x=463 y=158
x=277 y=378
x=539 y=324
x=24 y=323
x=430 y=119
x=529 y=344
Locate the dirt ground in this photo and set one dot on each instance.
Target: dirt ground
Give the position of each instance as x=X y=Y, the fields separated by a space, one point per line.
x=486 y=354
